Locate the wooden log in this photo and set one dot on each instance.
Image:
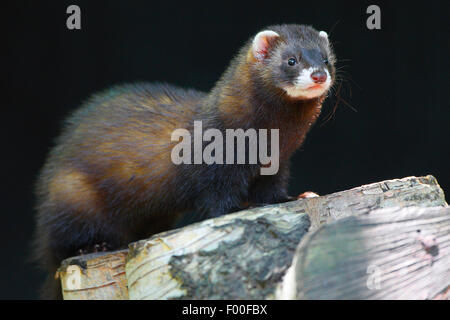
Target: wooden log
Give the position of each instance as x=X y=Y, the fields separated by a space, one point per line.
x=96 y=276
x=396 y=253
x=410 y=191
x=238 y=256
x=244 y=255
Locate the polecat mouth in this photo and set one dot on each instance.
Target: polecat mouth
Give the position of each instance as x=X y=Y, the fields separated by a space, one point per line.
x=309 y=92
x=315 y=87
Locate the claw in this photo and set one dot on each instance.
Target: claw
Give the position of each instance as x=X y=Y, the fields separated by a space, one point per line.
x=307 y=194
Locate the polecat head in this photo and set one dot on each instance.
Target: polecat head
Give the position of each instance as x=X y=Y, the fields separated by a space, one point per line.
x=295 y=58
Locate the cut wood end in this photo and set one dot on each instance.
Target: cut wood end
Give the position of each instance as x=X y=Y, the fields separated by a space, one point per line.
x=94 y=276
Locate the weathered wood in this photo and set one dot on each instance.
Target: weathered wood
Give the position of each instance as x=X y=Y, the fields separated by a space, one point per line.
x=244 y=255
x=410 y=191
x=96 y=276
x=396 y=253
x=238 y=256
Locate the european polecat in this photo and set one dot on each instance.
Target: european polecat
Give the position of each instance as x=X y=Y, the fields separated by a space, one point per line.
x=111 y=179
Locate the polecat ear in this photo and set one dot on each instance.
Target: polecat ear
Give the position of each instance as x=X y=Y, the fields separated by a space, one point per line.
x=324 y=35
x=262 y=43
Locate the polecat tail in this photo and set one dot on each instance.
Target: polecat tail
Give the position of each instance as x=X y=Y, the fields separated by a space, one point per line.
x=51 y=289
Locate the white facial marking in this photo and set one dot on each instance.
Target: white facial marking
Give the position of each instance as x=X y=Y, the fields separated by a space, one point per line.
x=323 y=34
x=304 y=86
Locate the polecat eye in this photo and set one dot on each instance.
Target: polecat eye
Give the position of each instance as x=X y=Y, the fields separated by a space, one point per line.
x=325 y=61
x=292 y=61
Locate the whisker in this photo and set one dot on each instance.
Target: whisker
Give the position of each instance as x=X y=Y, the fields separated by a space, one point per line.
x=333 y=112
x=334 y=25
x=336 y=90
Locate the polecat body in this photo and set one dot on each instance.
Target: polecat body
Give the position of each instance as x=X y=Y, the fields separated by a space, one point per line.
x=110 y=178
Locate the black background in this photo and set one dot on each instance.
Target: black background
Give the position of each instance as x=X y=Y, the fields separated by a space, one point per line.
x=397 y=80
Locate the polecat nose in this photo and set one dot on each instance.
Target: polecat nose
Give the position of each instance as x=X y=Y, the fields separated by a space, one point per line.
x=319 y=76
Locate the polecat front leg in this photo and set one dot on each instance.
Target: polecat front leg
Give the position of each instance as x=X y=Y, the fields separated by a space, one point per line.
x=223 y=190
x=273 y=189
x=270 y=189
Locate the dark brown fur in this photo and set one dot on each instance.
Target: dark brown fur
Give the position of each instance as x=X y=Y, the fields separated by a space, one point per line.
x=110 y=177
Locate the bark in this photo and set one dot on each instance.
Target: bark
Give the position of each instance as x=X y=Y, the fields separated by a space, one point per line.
x=246 y=255
x=395 y=253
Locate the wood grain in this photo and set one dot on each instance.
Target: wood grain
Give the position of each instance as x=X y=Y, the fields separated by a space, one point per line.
x=395 y=253
x=97 y=276
x=337 y=239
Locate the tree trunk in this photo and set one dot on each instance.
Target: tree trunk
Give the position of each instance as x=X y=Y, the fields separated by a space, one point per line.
x=246 y=255
x=395 y=253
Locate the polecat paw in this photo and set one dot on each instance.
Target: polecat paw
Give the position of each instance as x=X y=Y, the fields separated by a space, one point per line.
x=307 y=194
x=101 y=247
x=94 y=249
